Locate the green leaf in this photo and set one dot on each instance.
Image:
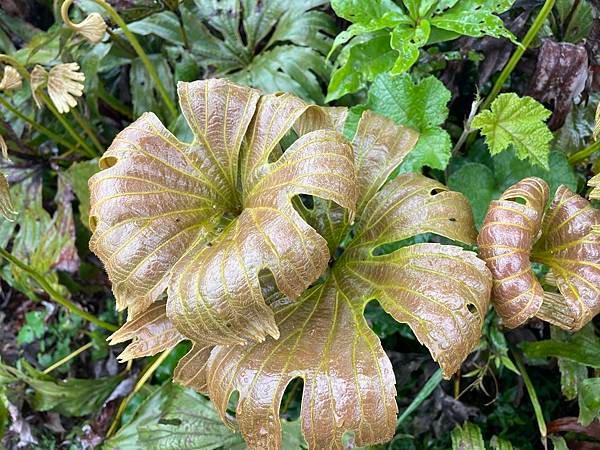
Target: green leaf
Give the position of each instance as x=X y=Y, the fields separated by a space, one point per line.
x=407 y=40
x=359 y=63
x=482 y=184
x=173 y=418
x=516 y=121
x=500 y=444
x=467 y=437
x=582 y=347
x=33 y=329
x=70 y=397
x=269 y=44
x=475 y=18
x=78 y=175
x=422 y=106
x=144 y=94
x=589 y=401
x=559 y=442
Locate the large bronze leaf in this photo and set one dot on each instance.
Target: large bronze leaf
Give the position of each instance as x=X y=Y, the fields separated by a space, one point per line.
x=189 y=217
x=244 y=286
x=441 y=291
x=565 y=239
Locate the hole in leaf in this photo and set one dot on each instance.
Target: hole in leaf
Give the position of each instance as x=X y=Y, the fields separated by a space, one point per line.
x=472 y=308
x=436 y=191
x=232 y=403
x=175 y=422
x=106 y=162
x=519 y=200
x=452 y=219
x=93 y=222
x=292 y=399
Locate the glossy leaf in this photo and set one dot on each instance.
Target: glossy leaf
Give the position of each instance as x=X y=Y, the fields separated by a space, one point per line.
x=516 y=231
x=516 y=121
x=272 y=45
x=467 y=436
x=266 y=327
x=168 y=213
x=589 y=401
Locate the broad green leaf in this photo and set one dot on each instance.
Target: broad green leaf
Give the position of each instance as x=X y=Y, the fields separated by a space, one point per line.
x=422 y=106
x=386 y=22
x=582 y=347
x=589 y=401
x=475 y=18
x=255 y=330
x=271 y=45
x=481 y=184
x=467 y=436
x=516 y=231
x=407 y=40
x=500 y=444
x=78 y=175
x=144 y=94
x=359 y=63
x=516 y=121
x=169 y=214
x=64 y=397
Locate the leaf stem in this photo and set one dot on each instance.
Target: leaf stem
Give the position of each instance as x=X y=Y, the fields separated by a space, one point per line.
x=65 y=123
x=67 y=358
x=583 y=154
x=518 y=53
x=54 y=294
x=537 y=408
x=425 y=392
x=83 y=123
x=140 y=383
x=142 y=55
x=42 y=129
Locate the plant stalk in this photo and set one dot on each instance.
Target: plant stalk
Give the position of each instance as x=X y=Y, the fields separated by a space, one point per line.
x=54 y=294
x=518 y=53
x=140 y=383
x=42 y=129
x=65 y=123
x=83 y=123
x=142 y=55
x=585 y=153
x=537 y=408
x=67 y=358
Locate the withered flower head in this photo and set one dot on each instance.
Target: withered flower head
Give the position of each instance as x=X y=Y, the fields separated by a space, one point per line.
x=65 y=82
x=11 y=80
x=39 y=77
x=92 y=27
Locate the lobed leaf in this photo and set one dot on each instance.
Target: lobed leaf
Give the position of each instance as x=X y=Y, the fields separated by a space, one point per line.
x=566 y=241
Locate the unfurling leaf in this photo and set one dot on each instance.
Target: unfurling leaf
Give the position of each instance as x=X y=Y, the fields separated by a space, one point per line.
x=516 y=121
x=65 y=82
x=516 y=231
x=11 y=79
x=220 y=224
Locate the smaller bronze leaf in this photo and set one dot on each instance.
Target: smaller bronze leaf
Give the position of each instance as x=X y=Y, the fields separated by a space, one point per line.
x=505 y=241
x=191 y=369
x=571 y=248
x=151 y=332
x=594 y=183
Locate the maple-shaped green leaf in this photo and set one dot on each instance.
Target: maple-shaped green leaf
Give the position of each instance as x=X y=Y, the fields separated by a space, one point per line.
x=517 y=231
x=516 y=121
x=420 y=105
x=255 y=330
